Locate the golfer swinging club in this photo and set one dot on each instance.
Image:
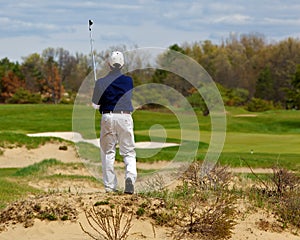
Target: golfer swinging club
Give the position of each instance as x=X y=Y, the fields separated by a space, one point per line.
x=112 y=96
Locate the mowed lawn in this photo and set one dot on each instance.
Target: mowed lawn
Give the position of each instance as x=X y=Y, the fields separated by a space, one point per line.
x=31 y=118
x=261 y=138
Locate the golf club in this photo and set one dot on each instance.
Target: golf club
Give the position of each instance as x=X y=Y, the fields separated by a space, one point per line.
x=92 y=50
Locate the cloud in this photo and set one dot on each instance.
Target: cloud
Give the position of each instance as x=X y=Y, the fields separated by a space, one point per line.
x=15 y=28
x=234 y=19
x=113 y=37
x=60 y=23
x=282 y=22
x=7 y=23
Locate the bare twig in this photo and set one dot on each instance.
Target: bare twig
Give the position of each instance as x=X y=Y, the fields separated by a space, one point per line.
x=108 y=224
x=266 y=186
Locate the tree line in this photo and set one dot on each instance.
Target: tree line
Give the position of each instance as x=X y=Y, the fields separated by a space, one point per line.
x=247 y=69
x=252 y=70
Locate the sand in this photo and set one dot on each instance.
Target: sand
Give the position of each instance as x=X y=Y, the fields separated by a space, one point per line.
x=76 y=137
x=85 y=193
x=21 y=156
x=245 y=115
x=142 y=228
x=43 y=230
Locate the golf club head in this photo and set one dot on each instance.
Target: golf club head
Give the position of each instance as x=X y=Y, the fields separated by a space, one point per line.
x=90 y=24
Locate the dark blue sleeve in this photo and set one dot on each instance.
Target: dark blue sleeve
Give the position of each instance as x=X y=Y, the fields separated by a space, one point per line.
x=97 y=92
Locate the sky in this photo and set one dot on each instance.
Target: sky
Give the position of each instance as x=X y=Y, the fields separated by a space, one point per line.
x=30 y=26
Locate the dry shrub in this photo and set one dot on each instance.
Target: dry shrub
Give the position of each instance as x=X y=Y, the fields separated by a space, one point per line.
x=214 y=221
x=108 y=224
x=208 y=208
x=287 y=196
x=288 y=209
x=201 y=207
x=218 y=178
x=280 y=183
x=156 y=183
x=192 y=174
x=284 y=181
x=281 y=193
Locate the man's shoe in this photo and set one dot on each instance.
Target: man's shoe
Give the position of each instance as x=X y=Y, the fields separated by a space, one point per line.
x=129 y=188
x=110 y=190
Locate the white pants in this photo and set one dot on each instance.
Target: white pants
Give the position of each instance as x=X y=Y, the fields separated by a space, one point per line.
x=117 y=128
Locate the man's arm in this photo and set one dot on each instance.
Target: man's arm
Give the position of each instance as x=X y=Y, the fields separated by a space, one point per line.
x=96 y=96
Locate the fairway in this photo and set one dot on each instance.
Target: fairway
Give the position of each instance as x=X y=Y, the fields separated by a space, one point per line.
x=263 y=143
x=273 y=133
x=244 y=142
x=32 y=118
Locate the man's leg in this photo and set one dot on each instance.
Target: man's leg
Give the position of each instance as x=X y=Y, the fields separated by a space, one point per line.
x=127 y=145
x=109 y=177
x=108 y=142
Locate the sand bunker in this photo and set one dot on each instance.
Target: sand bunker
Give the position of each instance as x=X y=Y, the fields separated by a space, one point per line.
x=76 y=137
x=21 y=156
x=245 y=115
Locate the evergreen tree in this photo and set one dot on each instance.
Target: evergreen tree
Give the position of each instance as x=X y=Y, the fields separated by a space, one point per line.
x=265 y=85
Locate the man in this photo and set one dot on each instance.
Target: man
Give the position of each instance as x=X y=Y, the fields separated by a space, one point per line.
x=112 y=96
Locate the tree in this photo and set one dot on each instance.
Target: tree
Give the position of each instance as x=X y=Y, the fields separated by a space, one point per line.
x=32 y=69
x=194 y=51
x=284 y=57
x=10 y=84
x=209 y=54
x=293 y=93
x=177 y=48
x=53 y=83
x=11 y=79
x=224 y=71
x=265 y=85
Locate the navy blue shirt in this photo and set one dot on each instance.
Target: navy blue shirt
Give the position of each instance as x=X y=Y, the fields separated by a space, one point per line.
x=113 y=92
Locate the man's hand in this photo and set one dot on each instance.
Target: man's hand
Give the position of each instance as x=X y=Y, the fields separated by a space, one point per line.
x=95 y=106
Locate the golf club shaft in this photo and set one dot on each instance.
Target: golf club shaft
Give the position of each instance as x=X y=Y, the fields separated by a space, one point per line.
x=92 y=50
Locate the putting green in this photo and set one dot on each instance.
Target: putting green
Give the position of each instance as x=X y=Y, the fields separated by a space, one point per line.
x=244 y=142
x=264 y=143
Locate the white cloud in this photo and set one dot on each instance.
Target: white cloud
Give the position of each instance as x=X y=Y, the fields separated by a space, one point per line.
x=57 y=23
x=234 y=19
x=15 y=28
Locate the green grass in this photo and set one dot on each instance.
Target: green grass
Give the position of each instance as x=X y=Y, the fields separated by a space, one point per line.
x=37 y=168
x=12 y=190
x=271 y=135
x=6 y=172
x=270 y=122
x=12 y=139
x=88 y=151
x=263 y=160
x=13 y=181
x=31 y=118
x=40 y=170
x=264 y=143
x=261 y=176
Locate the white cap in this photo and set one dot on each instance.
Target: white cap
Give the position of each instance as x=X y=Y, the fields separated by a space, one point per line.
x=116 y=57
